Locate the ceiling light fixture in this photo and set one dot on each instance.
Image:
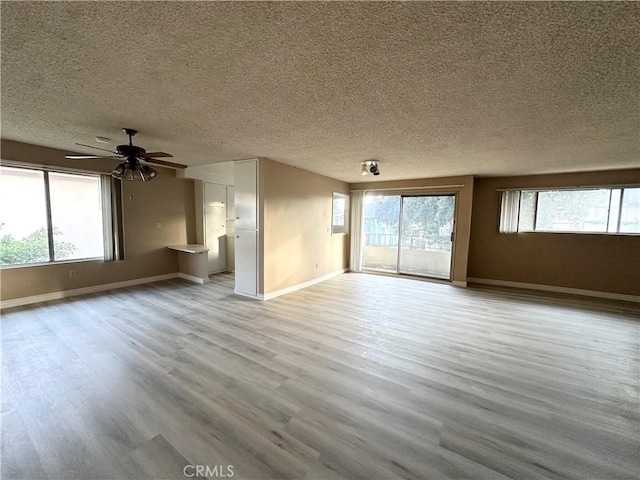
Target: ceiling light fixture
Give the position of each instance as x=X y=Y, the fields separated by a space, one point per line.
x=370 y=166
x=133 y=170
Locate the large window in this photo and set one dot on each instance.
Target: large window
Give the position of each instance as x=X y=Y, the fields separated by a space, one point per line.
x=596 y=210
x=49 y=216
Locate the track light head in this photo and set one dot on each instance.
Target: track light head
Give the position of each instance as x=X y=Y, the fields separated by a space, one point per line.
x=370 y=166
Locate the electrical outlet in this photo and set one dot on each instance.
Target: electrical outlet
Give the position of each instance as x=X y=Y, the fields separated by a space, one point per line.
x=72 y=273
x=158 y=225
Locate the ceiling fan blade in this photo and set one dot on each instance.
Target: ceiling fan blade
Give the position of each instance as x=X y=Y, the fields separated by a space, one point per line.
x=97 y=148
x=157 y=154
x=86 y=157
x=163 y=163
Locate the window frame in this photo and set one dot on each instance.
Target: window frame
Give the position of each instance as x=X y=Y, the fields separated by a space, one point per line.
x=537 y=191
x=107 y=214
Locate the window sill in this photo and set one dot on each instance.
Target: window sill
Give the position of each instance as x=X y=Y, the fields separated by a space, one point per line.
x=44 y=264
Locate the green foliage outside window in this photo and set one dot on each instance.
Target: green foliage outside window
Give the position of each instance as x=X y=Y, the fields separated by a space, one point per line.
x=33 y=248
x=433 y=215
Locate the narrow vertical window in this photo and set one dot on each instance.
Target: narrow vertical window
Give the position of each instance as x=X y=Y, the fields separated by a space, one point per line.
x=339 y=213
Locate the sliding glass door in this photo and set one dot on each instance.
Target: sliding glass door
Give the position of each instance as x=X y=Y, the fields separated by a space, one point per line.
x=409 y=234
x=381 y=229
x=426 y=241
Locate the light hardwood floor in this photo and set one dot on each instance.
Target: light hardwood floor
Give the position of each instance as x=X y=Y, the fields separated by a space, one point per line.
x=362 y=376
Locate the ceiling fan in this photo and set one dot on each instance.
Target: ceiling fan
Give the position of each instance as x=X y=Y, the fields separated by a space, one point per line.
x=135 y=158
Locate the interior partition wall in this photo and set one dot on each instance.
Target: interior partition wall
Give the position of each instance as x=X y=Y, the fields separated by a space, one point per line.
x=409 y=234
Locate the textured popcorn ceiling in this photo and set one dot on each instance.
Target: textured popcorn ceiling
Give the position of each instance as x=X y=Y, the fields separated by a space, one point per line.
x=429 y=89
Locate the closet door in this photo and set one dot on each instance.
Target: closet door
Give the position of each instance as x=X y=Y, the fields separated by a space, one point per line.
x=246 y=195
x=246 y=227
x=246 y=262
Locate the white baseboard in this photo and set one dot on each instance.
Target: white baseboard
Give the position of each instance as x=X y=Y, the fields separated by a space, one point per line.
x=45 y=297
x=193 y=278
x=299 y=286
x=553 y=288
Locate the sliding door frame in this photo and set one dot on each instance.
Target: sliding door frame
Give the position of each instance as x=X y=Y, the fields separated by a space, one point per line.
x=402 y=196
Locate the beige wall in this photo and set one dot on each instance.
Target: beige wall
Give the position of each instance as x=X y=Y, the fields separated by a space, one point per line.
x=605 y=263
x=295 y=232
x=296 y=226
x=462 y=187
x=166 y=199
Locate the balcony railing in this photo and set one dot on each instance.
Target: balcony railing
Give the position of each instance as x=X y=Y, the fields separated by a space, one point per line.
x=438 y=243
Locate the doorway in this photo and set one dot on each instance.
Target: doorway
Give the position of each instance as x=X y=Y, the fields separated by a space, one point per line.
x=409 y=234
x=215 y=228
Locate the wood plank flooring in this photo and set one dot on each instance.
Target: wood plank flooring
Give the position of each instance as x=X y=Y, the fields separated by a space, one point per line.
x=360 y=377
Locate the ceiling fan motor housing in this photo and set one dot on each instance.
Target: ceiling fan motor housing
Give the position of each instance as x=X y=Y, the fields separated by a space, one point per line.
x=130 y=150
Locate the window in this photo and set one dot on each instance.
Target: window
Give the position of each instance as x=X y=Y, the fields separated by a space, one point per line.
x=339 y=215
x=594 y=210
x=50 y=216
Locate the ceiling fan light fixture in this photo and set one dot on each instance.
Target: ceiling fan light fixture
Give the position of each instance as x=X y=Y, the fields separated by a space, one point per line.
x=146 y=173
x=119 y=171
x=138 y=173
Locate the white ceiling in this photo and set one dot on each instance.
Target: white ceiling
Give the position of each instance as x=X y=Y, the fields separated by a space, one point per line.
x=429 y=89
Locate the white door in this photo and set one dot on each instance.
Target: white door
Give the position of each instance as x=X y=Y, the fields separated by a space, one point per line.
x=245 y=195
x=216 y=238
x=247 y=262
